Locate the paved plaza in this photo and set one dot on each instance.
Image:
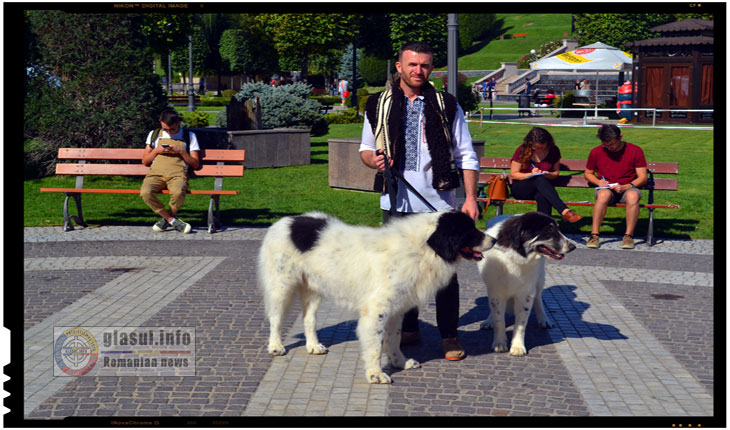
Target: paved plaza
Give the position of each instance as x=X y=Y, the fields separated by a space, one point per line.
x=633 y=336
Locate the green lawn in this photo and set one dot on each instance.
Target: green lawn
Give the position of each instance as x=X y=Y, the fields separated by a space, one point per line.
x=540 y=28
x=269 y=194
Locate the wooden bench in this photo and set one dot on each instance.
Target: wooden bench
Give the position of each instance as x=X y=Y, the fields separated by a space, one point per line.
x=326 y=106
x=120 y=166
x=182 y=100
x=572 y=176
x=518 y=35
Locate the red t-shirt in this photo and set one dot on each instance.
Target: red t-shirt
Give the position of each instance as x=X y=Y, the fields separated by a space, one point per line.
x=616 y=166
x=546 y=164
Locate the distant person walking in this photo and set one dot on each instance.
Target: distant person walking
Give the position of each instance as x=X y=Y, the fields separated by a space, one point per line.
x=342 y=88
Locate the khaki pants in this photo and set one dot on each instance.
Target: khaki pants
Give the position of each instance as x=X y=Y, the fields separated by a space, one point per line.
x=166 y=172
x=154 y=184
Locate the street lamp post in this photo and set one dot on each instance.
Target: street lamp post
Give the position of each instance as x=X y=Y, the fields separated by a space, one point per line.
x=191 y=96
x=453 y=50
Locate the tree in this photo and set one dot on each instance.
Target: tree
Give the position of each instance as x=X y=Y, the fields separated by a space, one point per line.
x=345 y=70
x=424 y=27
x=244 y=52
x=96 y=87
x=474 y=26
x=617 y=29
x=165 y=32
x=297 y=37
x=210 y=30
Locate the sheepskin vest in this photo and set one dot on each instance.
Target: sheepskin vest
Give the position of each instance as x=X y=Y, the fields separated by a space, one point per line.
x=438 y=123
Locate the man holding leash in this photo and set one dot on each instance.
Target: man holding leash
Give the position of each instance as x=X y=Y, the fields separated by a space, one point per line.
x=426 y=139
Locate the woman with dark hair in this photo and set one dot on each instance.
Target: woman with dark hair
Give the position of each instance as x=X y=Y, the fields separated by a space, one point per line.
x=534 y=164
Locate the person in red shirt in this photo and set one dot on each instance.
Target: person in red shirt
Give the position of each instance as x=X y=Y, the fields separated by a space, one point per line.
x=618 y=169
x=534 y=165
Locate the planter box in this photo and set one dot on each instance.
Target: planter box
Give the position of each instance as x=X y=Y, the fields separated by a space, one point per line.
x=276 y=147
x=346 y=170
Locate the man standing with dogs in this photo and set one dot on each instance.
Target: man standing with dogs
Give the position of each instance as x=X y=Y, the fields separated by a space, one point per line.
x=426 y=139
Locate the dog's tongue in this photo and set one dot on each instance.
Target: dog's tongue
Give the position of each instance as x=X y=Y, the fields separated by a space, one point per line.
x=471 y=254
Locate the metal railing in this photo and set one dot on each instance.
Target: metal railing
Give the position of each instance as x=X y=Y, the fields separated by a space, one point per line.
x=653 y=110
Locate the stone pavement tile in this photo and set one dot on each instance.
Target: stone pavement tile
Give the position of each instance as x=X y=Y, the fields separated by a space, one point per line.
x=691 y=311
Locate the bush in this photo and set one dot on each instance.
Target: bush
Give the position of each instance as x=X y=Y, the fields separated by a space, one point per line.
x=92 y=84
x=221 y=119
x=286 y=106
x=228 y=93
x=195 y=119
x=540 y=52
x=344 y=117
x=214 y=101
x=326 y=99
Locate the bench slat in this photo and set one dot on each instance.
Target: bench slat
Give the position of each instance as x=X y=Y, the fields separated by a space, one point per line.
x=224 y=155
x=122 y=191
x=667 y=184
x=100 y=153
x=136 y=154
x=141 y=170
x=577 y=165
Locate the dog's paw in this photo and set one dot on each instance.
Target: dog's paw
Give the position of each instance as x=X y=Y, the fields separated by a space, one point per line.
x=518 y=350
x=486 y=324
x=378 y=377
x=499 y=347
x=546 y=323
x=277 y=349
x=412 y=364
x=316 y=349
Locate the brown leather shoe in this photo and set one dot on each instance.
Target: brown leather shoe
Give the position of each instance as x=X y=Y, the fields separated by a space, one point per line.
x=410 y=338
x=453 y=349
x=571 y=216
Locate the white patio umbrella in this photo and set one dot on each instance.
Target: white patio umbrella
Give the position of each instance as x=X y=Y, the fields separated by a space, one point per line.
x=594 y=57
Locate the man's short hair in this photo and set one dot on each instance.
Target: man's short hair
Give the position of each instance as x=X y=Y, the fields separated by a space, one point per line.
x=419 y=47
x=170 y=116
x=608 y=132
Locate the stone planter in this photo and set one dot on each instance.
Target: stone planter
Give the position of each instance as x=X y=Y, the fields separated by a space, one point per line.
x=346 y=170
x=277 y=147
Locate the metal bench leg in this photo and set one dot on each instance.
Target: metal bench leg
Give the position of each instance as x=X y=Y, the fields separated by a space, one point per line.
x=499 y=208
x=650 y=230
x=214 y=217
x=78 y=218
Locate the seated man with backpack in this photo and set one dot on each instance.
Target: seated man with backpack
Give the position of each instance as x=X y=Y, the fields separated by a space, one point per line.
x=169 y=151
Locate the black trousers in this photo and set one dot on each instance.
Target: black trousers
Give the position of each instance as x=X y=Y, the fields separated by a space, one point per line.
x=447 y=303
x=540 y=189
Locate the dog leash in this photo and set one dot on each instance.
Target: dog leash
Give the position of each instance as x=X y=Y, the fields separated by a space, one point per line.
x=391 y=185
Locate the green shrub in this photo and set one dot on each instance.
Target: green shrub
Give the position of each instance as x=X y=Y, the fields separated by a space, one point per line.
x=326 y=99
x=221 y=119
x=568 y=100
x=344 y=117
x=228 y=93
x=540 y=52
x=286 y=106
x=214 y=101
x=195 y=119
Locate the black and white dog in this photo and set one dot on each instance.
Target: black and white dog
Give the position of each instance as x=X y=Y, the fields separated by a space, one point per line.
x=514 y=272
x=378 y=272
